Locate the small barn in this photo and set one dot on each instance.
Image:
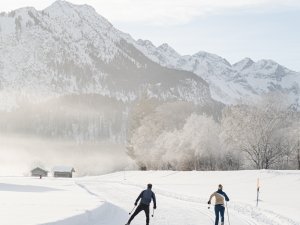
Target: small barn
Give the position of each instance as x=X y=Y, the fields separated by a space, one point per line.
x=39 y=172
x=63 y=171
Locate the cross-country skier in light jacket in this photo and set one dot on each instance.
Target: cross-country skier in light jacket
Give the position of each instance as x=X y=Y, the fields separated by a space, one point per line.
x=220 y=196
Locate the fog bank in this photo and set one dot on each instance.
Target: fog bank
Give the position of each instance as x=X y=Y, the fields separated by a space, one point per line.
x=19 y=155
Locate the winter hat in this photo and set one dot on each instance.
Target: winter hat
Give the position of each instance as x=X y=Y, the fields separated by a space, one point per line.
x=149 y=186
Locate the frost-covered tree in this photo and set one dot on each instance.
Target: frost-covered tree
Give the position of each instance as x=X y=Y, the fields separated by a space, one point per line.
x=293 y=136
x=172 y=137
x=149 y=118
x=139 y=111
x=257 y=130
x=194 y=146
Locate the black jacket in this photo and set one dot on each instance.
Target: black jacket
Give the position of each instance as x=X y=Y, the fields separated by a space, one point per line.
x=146 y=196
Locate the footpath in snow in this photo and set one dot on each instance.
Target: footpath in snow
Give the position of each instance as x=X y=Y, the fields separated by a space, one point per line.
x=181 y=198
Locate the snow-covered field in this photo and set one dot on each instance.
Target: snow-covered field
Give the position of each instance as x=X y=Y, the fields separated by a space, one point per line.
x=181 y=198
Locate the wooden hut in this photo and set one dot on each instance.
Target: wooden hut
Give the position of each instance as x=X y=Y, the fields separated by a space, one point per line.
x=38 y=172
x=63 y=171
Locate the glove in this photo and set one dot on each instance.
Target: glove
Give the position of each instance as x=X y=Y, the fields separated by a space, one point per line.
x=135 y=203
x=209 y=202
x=154 y=207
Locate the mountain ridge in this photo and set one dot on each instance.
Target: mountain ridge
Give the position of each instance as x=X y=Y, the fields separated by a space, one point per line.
x=230 y=83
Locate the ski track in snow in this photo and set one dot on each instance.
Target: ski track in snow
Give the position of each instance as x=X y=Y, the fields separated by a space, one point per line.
x=107 y=200
x=167 y=214
x=239 y=213
x=193 y=213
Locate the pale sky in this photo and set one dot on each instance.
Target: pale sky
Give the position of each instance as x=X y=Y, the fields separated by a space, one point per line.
x=233 y=29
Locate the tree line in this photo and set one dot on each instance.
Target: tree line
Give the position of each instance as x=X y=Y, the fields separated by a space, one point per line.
x=181 y=136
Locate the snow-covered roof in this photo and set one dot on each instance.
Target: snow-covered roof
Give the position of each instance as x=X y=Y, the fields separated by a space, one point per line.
x=38 y=168
x=63 y=169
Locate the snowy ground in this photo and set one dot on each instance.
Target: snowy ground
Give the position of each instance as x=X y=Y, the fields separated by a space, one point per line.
x=181 y=198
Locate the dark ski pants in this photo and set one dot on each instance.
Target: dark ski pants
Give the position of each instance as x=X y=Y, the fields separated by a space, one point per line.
x=140 y=208
x=219 y=209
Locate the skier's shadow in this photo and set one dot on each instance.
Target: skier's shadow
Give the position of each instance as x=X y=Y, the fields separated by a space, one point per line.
x=25 y=188
x=106 y=214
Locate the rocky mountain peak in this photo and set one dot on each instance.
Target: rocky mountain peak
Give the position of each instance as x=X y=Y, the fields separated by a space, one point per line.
x=206 y=56
x=168 y=49
x=145 y=43
x=243 y=64
x=86 y=15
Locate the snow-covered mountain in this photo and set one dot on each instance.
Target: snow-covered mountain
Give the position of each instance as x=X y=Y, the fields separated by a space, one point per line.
x=244 y=80
x=70 y=49
x=76 y=76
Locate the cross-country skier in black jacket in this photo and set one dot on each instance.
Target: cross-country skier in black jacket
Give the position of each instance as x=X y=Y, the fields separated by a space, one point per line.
x=146 y=196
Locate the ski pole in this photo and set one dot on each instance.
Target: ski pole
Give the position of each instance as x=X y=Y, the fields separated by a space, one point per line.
x=153 y=213
x=132 y=210
x=227 y=214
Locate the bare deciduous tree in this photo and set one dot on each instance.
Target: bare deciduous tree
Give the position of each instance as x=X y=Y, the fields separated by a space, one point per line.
x=257 y=130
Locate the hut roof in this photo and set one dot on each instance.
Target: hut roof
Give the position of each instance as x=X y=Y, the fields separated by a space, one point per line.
x=38 y=168
x=63 y=169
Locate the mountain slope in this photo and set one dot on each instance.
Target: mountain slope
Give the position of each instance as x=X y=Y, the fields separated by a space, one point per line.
x=245 y=80
x=70 y=49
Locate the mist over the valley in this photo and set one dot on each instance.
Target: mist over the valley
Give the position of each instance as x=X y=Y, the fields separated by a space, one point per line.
x=19 y=155
x=85 y=132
